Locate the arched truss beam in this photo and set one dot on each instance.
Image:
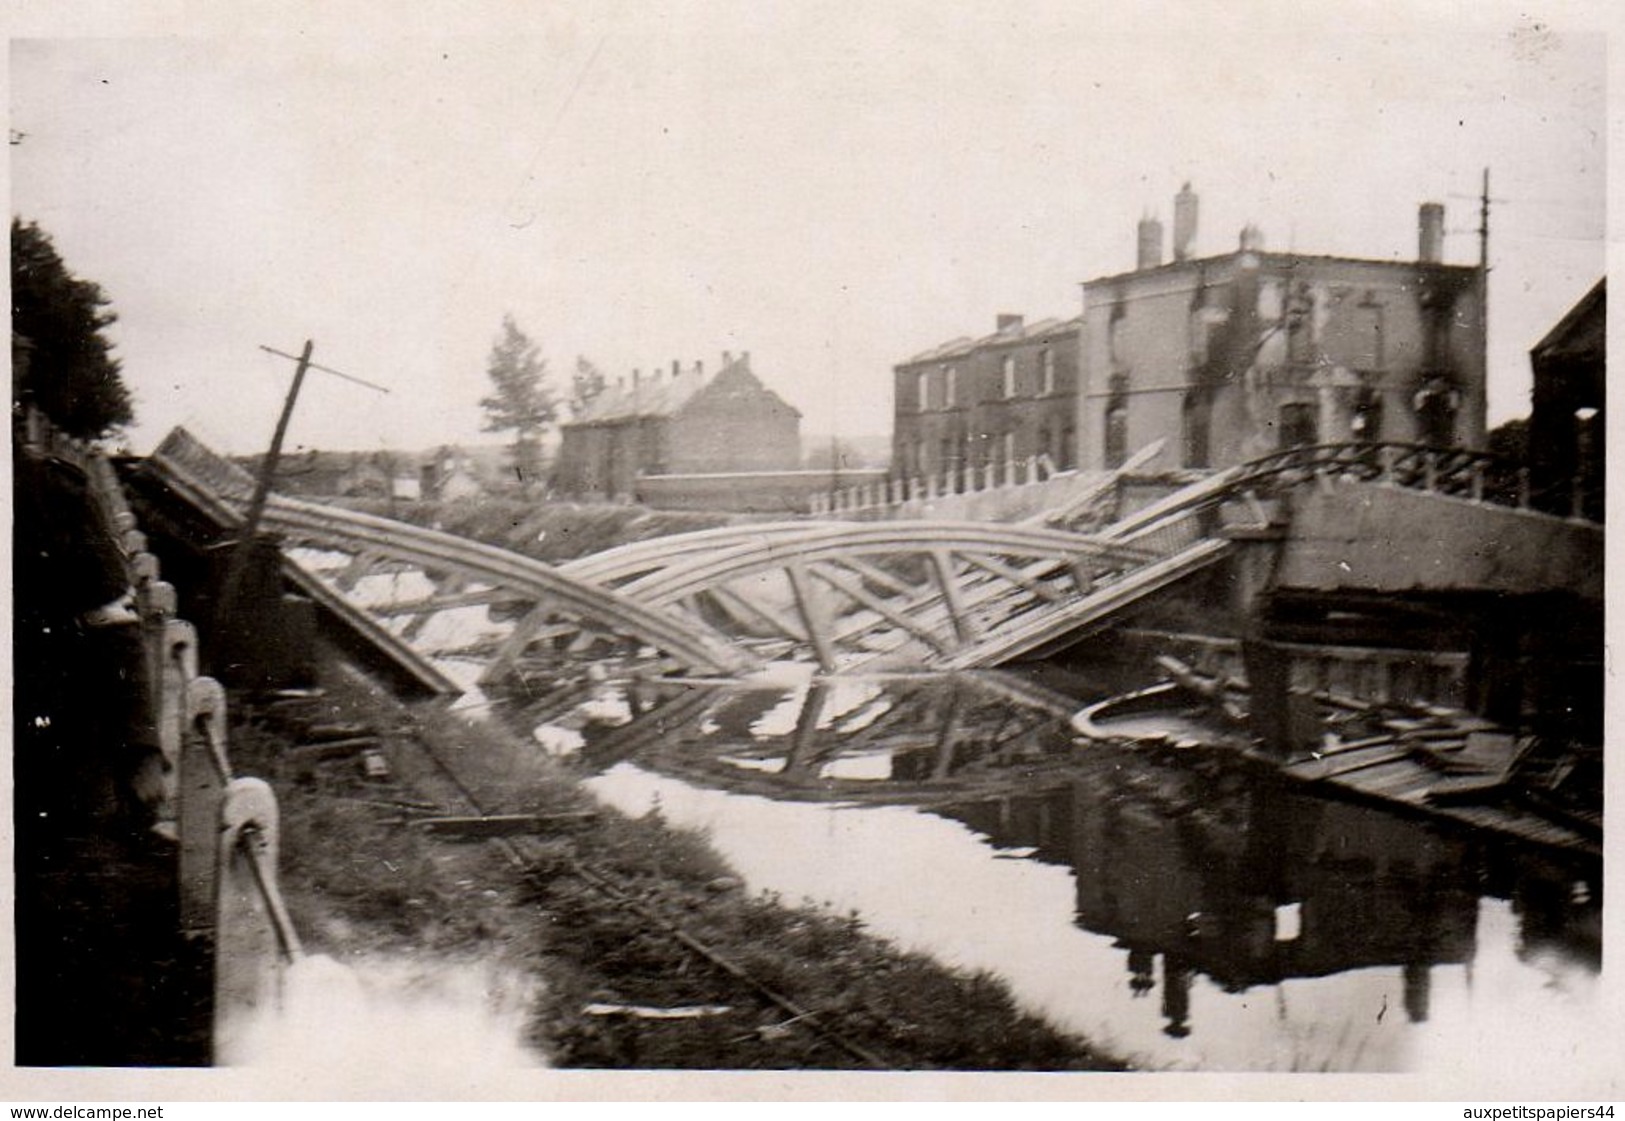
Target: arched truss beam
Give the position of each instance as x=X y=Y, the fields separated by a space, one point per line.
x=517 y=576
x=905 y=592
x=835 y=542
x=910 y=592
x=219 y=488
x=639 y=558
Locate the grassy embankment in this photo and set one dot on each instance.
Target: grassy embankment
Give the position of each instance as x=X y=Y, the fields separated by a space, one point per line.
x=603 y=912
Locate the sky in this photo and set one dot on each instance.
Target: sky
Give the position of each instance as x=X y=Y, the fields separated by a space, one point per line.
x=830 y=191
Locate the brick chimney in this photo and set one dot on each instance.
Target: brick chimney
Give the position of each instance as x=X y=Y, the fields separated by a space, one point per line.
x=1007 y=323
x=1184 y=223
x=1150 y=251
x=1430 y=233
x=1252 y=239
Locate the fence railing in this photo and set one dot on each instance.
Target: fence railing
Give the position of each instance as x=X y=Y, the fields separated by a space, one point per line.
x=900 y=489
x=1456 y=472
x=226 y=826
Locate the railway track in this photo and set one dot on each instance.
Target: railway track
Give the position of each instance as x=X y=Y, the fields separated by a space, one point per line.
x=531 y=856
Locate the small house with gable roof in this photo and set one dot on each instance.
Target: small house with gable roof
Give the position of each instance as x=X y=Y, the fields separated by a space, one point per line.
x=681 y=423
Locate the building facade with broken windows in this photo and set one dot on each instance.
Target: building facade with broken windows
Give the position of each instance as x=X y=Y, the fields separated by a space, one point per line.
x=1222 y=358
x=1232 y=357
x=1000 y=399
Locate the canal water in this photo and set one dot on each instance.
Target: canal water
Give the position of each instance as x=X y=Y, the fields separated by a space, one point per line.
x=1175 y=909
x=1180 y=911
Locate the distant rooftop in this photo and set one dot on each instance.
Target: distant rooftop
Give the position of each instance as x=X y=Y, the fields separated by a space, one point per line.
x=663 y=393
x=1018 y=332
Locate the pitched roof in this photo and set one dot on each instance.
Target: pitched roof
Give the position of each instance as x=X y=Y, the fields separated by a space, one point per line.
x=657 y=396
x=667 y=395
x=1581 y=333
x=954 y=348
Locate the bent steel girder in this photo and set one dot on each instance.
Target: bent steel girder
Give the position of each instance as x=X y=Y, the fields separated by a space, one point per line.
x=825 y=541
x=915 y=592
x=638 y=558
x=221 y=488
x=522 y=578
x=919 y=594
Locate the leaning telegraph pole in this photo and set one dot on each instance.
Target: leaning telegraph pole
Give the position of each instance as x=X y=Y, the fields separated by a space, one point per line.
x=237 y=562
x=1484 y=284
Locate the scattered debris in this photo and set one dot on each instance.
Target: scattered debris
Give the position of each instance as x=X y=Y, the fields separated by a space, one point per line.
x=644 y=1012
x=504 y=825
x=332 y=749
x=330 y=733
x=374 y=765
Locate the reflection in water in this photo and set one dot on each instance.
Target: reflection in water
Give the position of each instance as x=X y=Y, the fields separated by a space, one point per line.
x=904 y=740
x=1260 y=926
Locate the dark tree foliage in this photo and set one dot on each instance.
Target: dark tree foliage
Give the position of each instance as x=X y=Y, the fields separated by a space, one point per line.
x=522 y=402
x=1510 y=440
x=1509 y=443
x=64 y=363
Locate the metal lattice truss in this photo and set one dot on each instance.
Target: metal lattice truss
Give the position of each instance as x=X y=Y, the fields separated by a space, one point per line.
x=897 y=594
x=914 y=594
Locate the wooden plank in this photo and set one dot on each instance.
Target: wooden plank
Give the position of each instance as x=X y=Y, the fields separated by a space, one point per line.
x=807 y=606
x=432 y=604
x=942 y=565
x=1015 y=576
x=803 y=755
x=399 y=653
x=331 y=749
x=1398 y=755
x=353 y=573
x=502 y=825
x=779 y=621
x=523 y=634
x=856 y=591
x=948 y=738
x=874 y=574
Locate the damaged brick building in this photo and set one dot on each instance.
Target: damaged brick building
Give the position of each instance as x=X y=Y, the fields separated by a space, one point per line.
x=677 y=424
x=1231 y=357
x=1224 y=358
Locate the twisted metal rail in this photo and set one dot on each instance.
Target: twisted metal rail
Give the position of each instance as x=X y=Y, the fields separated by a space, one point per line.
x=1457 y=472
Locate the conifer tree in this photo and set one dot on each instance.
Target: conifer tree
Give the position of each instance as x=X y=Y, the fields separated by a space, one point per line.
x=521 y=402
x=64 y=363
x=585 y=385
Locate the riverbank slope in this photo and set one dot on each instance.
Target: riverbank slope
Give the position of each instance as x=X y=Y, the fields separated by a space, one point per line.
x=634 y=943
